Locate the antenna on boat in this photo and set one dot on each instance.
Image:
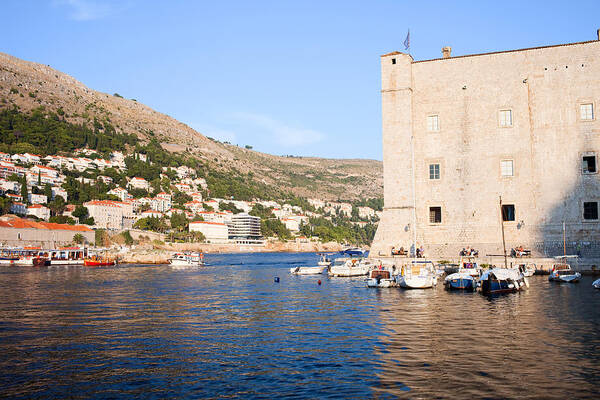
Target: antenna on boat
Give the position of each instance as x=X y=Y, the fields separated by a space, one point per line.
x=503 y=241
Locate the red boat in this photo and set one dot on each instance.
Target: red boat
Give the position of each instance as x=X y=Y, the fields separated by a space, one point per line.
x=98 y=263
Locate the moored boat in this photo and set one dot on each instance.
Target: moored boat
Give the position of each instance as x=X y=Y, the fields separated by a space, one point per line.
x=527 y=269
x=98 y=262
x=564 y=273
x=502 y=280
x=596 y=284
x=417 y=275
x=354 y=252
x=382 y=277
x=460 y=281
x=348 y=267
x=324 y=260
x=307 y=270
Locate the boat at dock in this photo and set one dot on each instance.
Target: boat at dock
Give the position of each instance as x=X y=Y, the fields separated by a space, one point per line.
x=99 y=262
x=354 y=252
x=348 y=267
x=502 y=280
x=461 y=281
x=417 y=275
x=187 y=259
x=382 y=277
x=527 y=269
x=596 y=284
x=562 y=271
x=324 y=260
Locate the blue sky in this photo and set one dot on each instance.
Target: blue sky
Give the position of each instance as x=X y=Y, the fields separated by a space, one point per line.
x=287 y=77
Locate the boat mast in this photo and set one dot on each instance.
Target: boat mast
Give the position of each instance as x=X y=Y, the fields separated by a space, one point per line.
x=412 y=167
x=503 y=241
x=564 y=241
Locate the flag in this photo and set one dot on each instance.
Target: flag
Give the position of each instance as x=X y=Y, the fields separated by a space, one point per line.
x=407 y=41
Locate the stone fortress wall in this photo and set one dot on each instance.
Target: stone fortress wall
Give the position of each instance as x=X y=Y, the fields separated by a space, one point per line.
x=544 y=89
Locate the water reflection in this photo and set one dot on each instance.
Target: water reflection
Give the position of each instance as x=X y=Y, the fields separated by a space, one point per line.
x=228 y=330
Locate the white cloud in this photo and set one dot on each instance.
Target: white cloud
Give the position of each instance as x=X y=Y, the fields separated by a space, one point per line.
x=283 y=134
x=86 y=10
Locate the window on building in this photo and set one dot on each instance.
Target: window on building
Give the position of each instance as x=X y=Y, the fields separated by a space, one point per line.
x=506 y=118
x=435 y=215
x=508 y=212
x=393 y=61
x=434 y=171
x=506 y=168
x=433 y=123
x=589 y=164
x=590 y=210
x=586 y=111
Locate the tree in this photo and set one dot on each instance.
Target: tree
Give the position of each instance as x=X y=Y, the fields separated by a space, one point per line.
x=127 y=237
x=24 y=193
x=57 y=206
x=80 y=213
x=78 y=238
x=179 y=221
x=5 y=205
x=48 y=191
x=101 y=237
x=62 y=219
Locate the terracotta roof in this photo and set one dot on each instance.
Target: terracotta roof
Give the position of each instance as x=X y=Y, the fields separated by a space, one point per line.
x=20 y=223
x=393 y=53
x=206 y=222
x=37 y=206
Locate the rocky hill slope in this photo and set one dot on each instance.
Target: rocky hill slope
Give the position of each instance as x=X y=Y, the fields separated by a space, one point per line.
x=30 y=85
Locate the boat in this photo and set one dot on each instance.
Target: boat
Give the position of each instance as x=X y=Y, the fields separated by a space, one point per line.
x=354 y=252
x=67 y=256
x=187 y=259
x=527 y=269
x=562 y=271
x=382 y=276
x=307 y=270
x=324 y=261
x=98 y=262
x=596 y=284
x=461 y=281
x=348 y=266
x=468 y=265
x=417 y=275
x=502 y=280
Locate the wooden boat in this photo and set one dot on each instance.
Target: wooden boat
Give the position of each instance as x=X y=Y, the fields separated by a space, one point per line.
x=461 y=281
x=502 y=280
x=96 y=261
x=381 y=278
x=562 y=271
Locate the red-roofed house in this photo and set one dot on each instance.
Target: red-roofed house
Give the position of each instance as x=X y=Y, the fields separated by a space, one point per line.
x=39 y=211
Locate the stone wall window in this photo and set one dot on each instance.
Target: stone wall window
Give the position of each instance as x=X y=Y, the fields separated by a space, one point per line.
x=434 y=171
x=586 y=111
x=433 y=123
x=590 y=210
x=435 y=215
x=588 y=164
x=506 y=168
x=505 y=118
x=508 y=212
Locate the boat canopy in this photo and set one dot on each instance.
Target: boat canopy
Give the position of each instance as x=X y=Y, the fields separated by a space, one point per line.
x=502 y=274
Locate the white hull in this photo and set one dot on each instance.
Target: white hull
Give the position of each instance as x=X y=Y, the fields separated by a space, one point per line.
x=184 y=263
x=380 y=283
x=349 y=271
x=66 y=262
x=324 y=263
x=8 y=262
x=307 y=270
x=416 y=282
x=596 y=284
x=568 y=278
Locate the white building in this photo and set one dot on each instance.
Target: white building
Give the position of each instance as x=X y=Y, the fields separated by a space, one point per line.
x=18 y=208
x=110 y=214
x=120 y=193
x=366 y=212
x=244 y=227
x=37 y=198
x=214 y=232
x=138 y=183
x=163 y=202
x=39 y=211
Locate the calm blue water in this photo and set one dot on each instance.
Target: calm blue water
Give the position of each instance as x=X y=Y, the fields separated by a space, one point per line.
x=229 y=331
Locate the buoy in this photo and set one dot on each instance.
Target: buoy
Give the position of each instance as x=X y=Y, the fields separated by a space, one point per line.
x=276 y=279
x=319 y=282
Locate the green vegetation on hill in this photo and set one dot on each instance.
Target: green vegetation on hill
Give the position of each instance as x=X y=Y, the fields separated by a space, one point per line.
x=46 y=132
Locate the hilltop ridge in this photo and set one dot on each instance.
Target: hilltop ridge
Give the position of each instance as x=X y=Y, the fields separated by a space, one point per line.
x=28 y=85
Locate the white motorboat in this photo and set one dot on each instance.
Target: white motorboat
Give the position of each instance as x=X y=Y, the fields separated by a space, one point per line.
x=347 y=267
x=187 y=259
x=527 y=269
x=381 y=277
x=417 y=275
x=307 y=270
x=324 y=261
x=596 y=284
x=468 y=265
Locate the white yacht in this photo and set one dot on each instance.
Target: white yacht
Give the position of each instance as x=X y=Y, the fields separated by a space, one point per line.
x=382 y=276
x=348 y=266
x=417 y=275
x=562 y=271
x=308 y=270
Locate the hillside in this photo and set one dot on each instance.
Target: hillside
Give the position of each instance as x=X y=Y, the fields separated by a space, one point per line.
x=30 y=85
